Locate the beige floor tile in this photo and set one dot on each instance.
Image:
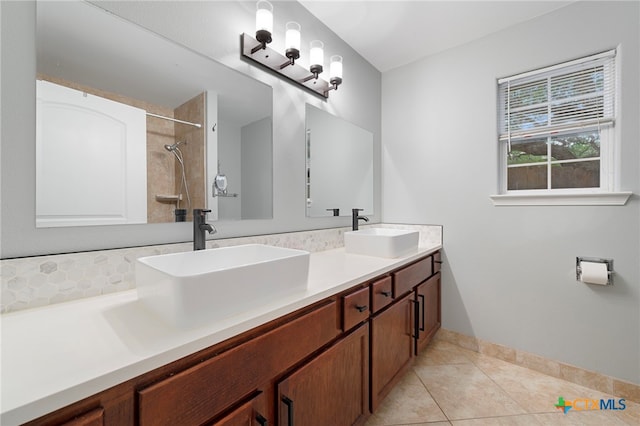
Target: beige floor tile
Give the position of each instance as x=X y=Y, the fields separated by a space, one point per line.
x=408 y=403
x=535 y=392
x=522 y=420
x=442 y=353
x=463 y=391
x=631 y=414
x=583 y=418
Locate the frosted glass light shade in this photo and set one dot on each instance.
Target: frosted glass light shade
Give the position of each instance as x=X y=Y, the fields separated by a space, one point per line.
x=335 y=68
x=292 y=36
x=264 y=16
x=316 y=56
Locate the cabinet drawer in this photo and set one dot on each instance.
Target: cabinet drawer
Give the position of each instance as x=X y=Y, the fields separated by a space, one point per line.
x=250 y=413
x=197 y=394
x=355 y=308
x=381 y=294
x=407 y=278
x=91 y=418
x=437 y=262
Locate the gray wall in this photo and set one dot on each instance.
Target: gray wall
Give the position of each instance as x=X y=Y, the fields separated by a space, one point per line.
x=212 y=28
x=509 y=273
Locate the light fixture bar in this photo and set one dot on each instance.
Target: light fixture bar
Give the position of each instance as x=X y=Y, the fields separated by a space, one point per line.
x=273 y=61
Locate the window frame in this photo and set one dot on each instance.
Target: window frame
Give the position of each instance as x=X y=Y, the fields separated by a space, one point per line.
x=608 y=192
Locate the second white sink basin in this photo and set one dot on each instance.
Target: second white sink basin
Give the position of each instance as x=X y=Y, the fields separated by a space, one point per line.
x=381 y=242
x=207 y=285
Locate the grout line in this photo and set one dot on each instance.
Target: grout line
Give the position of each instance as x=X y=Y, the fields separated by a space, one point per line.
x=413 y=370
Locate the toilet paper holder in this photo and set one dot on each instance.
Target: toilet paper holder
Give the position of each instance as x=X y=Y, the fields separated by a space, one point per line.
x=608 y=262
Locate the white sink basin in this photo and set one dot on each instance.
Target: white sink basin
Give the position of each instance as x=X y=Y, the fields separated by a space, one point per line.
x=194 y=287
x=381 y=242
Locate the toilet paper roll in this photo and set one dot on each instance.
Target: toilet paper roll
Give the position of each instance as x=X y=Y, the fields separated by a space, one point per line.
x=594 y=273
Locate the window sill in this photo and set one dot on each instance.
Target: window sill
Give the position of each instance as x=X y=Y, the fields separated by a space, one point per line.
x=591 y=199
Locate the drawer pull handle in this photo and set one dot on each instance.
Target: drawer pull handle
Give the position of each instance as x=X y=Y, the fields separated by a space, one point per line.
x=361 y=308
x=289 y=404
x=386 y=293
x=261 y=420
x=439 y=262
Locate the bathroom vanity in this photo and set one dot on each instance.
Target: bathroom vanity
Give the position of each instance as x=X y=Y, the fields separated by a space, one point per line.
x=328 y=356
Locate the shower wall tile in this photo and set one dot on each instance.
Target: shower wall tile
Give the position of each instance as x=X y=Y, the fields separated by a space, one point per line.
x=194 y=154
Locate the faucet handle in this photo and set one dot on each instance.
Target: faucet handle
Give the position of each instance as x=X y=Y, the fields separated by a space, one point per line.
x=355 y=211
x=201 y=212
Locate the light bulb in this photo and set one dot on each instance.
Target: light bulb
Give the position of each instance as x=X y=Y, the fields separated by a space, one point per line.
x=292 y=36
x=264 y=16
x=316 y=57
x=335 y=69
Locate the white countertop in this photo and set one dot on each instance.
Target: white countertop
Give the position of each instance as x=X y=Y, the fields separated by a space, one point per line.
x=56 y=355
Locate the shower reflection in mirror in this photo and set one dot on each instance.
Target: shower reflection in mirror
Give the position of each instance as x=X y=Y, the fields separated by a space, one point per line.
x=115 y=167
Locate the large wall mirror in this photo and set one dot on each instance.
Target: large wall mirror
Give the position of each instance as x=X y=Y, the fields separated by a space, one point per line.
x=339 y=165
x=134 y=128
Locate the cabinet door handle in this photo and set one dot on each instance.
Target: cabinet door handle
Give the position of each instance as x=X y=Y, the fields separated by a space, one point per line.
x=261 y=420
x=422 y=318
x=386 y=293
x=289 y=404
x=416 y=320
x=361 y=308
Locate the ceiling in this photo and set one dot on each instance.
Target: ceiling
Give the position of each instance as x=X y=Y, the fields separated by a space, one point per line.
x=390 y=34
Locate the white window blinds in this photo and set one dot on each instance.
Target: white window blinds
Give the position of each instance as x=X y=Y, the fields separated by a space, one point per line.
x=562 y=98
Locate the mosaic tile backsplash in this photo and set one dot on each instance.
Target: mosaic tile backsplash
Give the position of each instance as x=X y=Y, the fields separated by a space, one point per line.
x=43 y=280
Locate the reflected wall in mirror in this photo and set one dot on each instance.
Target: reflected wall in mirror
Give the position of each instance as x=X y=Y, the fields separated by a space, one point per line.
x=339 y=165
x=188 y=119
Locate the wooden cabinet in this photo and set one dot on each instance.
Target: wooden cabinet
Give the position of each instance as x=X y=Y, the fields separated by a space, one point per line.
x=355 y=308
x=92 y=418
x=437 y=261
x=326 y=364
x=381 y=294
x=196 y=395
x=251 y=413
x=410 y=276
x=428 y=310
x=332 y=389
x=391 y=347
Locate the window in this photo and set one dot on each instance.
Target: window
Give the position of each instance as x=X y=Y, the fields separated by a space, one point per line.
x=557 y=128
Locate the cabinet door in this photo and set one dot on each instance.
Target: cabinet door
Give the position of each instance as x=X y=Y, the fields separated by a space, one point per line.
x=391 y=347
x=251 y=413
x=332 y=389
x=429 y=316
x=202 y=392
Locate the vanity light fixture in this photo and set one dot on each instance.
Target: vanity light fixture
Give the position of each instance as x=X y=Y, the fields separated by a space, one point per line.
x=335 y=72
x=264 y=24
x=316 y=58
x=292 y=43
x=256 y=50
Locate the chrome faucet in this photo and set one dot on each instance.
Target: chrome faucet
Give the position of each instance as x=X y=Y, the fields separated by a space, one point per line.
x=199 y=228
x=355 y=216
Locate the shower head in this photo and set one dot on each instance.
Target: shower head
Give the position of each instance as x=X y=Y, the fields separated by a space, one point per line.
x=172 y=147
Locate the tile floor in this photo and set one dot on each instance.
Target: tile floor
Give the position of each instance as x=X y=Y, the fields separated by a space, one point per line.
x=449 y=385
